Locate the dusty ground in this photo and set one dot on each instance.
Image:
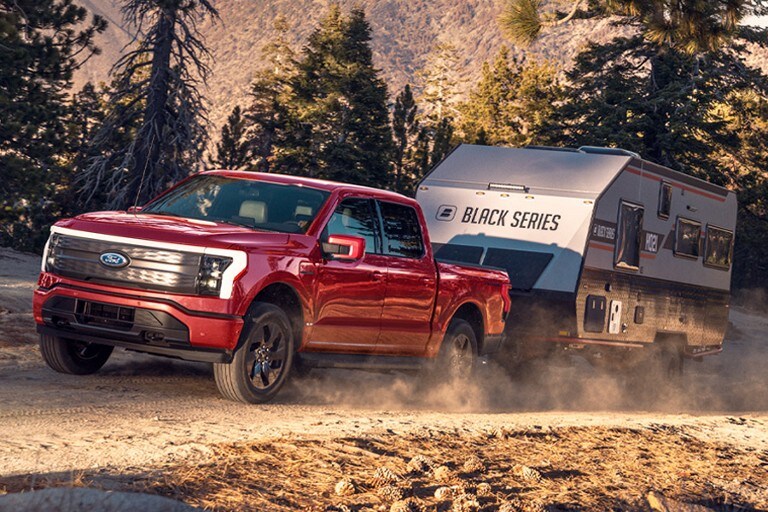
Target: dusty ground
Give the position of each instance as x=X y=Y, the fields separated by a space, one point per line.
x=152 y=424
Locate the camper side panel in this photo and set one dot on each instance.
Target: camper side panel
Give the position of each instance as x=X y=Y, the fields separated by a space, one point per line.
x=658 y=260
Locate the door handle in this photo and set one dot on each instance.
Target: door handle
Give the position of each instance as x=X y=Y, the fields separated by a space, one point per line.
x=377 y=276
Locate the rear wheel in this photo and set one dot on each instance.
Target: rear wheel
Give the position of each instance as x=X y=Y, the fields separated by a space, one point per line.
x=458 y=353
x=262 y=363
x=73 y=357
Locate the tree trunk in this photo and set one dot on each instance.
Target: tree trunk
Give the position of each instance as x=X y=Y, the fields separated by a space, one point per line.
x=147 y=153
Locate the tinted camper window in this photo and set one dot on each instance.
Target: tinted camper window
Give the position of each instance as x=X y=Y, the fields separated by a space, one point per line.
x=687 y=238
x=628 y=235
x=718 y=248
x=665 y=199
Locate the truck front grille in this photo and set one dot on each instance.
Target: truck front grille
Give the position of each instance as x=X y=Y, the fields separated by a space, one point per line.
x=148 y=268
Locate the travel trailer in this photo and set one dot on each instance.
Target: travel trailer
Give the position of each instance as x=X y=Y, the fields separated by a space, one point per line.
x=608 y=254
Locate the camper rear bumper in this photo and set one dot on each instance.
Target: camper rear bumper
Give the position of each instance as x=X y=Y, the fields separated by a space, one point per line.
x=690 y=351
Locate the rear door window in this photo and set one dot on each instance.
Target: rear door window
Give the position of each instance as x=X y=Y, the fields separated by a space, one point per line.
x=402 y=231
x=628 y=233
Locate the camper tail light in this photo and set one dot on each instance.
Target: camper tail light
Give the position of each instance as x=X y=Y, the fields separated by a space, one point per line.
x=508 y=187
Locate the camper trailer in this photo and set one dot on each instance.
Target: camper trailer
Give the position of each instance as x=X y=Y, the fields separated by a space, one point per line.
x=609 y=255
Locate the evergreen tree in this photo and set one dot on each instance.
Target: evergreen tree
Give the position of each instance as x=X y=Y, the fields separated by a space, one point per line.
x=439 y=98
x=162 y=71
x=233 y=150
x=405 y=132
x=269 y=114
x=341 y=129
x=510 y=104
x=42 y=42
x=714 y=122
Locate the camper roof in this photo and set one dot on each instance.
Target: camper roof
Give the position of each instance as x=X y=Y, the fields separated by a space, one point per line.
x=535 y=170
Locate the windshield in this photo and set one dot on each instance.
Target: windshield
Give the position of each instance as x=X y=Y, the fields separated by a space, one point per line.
x=249 y=203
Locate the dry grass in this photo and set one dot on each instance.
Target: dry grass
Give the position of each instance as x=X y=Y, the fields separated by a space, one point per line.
x=578 y=469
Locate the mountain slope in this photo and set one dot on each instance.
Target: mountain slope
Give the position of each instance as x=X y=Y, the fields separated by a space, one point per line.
x=404 y=31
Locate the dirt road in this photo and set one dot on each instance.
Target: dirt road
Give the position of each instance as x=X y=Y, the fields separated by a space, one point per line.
x=144 y=412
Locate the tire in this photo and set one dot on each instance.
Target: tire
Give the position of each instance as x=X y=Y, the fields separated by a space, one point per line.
x=657 y=376
x=457 y=358
x=262 y=362
x=73 y=357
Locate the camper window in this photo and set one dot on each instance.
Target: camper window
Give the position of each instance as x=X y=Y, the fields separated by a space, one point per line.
x=628 y=236
x=665 y=199
x=718 y=249
x=687 y=238
x=402 y=235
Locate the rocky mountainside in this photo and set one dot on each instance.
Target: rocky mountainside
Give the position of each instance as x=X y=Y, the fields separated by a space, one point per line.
x=404 y=32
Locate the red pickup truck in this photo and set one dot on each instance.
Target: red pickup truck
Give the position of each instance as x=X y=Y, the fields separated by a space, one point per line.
x=261 y=274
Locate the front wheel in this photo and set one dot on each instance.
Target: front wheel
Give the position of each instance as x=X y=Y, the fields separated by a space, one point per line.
x=73 y=357
x=262 y=363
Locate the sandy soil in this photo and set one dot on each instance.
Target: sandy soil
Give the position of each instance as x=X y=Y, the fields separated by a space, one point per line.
x=151 y=416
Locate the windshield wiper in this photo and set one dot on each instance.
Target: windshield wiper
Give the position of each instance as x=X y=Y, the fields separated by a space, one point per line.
x=163 y=213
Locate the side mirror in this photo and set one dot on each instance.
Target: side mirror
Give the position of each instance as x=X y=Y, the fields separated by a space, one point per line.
x=343 y=247
x=133 y=209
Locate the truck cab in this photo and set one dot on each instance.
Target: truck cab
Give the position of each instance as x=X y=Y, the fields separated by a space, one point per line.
x=260 y=274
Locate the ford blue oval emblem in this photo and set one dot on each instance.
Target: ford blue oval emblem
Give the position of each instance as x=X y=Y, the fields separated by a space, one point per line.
x=114 y=259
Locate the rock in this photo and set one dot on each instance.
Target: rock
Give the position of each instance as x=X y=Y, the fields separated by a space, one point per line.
x=88 y=500
x=659 y=503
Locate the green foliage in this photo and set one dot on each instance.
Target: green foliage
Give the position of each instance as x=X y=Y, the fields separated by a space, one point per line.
x=339 y=123
x=269 y=115
x=233 y=150
x=510 y=104
x=42 y=42
x=406 y=134
x=703 y=115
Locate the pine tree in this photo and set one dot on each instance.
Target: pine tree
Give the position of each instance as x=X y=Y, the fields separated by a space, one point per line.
x=405 y=132
x=510 y=104
x=341 y=129
x=162 y=72
x=439 y=98
x=42 y=43
x=269 y=114
x=233 y=150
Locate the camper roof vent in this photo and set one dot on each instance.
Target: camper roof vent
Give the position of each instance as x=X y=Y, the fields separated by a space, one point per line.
x=608 y=151
x=552 y=148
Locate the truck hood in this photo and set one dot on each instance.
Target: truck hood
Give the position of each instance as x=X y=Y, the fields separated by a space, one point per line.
x=173 y=230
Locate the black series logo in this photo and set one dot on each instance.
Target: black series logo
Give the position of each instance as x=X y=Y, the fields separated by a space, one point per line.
x=446 y=212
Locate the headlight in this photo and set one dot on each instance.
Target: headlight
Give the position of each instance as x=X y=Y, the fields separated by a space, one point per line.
x=211 y=271
x=51 y=252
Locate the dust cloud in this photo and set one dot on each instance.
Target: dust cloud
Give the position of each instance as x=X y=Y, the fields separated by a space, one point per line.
x=733 y=382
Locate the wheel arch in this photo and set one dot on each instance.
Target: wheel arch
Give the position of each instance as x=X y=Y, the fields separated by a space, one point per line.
x=287 y=298
x=471 y=313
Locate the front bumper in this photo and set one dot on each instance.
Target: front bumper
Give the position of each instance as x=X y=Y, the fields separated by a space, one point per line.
x=153 y=325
